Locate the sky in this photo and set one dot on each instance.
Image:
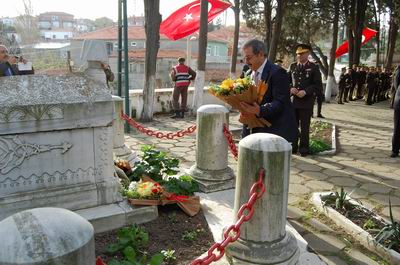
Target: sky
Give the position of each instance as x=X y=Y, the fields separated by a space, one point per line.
x=94 y=8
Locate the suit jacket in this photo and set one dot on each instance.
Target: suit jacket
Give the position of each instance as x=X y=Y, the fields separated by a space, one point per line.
x=396 y=79
x=4 y=67
x=275 y=105
x=307 y=78
x=396 y=86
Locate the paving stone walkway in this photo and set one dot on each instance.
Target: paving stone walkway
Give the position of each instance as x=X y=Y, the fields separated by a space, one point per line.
x=362 y=164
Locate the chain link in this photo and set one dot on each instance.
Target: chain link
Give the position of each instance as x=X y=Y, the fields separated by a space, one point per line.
x=244 y=214
x=231 y=143
x=156 y=134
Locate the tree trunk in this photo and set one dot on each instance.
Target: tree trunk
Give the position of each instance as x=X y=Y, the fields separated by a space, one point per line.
x=320 y=63
x=393 y=30
x=268 y=24
x=201 y=61
x=358 y=29
x=236 y=10
x=377 y=36
x=332 y=59
x=280 y=10
x=152 y=28
x=349 y=8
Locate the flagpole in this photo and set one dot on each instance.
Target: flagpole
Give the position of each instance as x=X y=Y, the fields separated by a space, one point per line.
x=126 y=61
x=119 y=47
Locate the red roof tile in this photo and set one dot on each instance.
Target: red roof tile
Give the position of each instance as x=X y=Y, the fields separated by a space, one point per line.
x=134 y=33
x=141 y=53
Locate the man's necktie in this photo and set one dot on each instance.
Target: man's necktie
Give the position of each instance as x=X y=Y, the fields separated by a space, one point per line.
x=256 y=78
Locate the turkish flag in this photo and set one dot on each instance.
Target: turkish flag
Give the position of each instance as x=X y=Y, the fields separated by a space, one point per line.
x=186 y=20
x=367 y=34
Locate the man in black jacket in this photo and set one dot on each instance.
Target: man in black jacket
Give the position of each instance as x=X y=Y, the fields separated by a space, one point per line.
x=275 y=105
x=5 y=67
x=305 y=80
x=396 y=107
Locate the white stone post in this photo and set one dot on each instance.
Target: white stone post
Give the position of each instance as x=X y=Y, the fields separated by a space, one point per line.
x=46 y=236
x=264 y=239
x=211 y=169
x=120 y=149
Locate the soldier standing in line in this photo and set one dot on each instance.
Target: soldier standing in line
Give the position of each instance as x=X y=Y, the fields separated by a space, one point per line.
x=305 y=80
x=362 y=76
x=371 y=85
x=378 y=89
x=354 y=79
x=344 y=82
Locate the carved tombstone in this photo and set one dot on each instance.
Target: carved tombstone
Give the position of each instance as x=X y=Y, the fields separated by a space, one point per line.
x=55 y=144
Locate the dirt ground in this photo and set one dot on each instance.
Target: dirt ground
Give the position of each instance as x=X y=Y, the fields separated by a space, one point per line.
x=166 y=233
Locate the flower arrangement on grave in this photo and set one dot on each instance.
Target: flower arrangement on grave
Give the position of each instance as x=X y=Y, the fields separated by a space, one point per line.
x=144 y=190
x=154 y=183
x=234 y=91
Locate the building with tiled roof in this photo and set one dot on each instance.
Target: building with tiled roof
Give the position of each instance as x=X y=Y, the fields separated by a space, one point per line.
x=56 y=26
x=169 y=51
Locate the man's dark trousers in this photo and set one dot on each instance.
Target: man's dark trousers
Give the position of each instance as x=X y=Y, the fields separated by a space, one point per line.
x=303 y=118
x=396 y=132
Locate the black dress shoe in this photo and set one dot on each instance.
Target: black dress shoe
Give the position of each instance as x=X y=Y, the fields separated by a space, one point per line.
x=394 y=154
x=320 y=116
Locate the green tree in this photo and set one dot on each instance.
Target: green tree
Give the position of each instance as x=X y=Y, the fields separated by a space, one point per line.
x=103 y=22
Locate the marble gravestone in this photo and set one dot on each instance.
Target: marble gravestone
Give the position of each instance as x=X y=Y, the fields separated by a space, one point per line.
x=56 y=143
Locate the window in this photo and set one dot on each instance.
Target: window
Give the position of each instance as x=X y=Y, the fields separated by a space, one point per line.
x=216 y=51
x=54 y=36
x=54 y=18
x=133 y=44
x=66 y=36
x=208 y=50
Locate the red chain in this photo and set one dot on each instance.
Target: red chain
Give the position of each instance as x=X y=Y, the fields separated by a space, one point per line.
x=150 y=132
x=233 y=232
x=231 y=143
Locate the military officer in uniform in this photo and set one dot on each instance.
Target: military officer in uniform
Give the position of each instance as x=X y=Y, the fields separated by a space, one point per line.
x=305 y=80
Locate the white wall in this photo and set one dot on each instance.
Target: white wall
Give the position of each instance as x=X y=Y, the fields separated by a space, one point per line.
x=163 y=100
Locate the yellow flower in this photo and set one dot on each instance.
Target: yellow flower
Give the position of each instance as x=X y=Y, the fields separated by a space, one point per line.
x=144 y=188
x=227 y=83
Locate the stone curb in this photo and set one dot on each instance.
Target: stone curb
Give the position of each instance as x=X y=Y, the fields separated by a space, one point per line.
x=333 y=149
x=357 y=232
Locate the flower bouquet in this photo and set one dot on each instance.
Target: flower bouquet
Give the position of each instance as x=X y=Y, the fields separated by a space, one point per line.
x=242 y=90
x=149 y=192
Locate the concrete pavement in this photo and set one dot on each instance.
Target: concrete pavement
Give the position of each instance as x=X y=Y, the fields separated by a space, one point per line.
x=362 y=164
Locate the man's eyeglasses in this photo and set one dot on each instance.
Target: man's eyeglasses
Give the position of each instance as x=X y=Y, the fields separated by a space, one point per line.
x=3 y=51
x=248 y=57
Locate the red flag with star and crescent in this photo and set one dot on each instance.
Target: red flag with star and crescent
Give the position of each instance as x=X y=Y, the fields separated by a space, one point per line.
x=367 y=34
x=186 y=19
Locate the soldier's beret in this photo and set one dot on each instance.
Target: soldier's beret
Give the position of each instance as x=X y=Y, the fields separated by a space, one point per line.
x=300 y=48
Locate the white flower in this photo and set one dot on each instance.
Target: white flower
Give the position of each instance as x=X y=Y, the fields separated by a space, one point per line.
x=133 y=185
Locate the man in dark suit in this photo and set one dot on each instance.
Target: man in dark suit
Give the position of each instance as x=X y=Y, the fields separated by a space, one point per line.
x=396 y=107
x=275 y=105
x=305 y=80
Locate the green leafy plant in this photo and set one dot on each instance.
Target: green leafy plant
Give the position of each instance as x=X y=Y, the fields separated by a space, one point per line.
x=317 y=146
x=338 y=199
x=155 y=164
x=169 y=256
x=189 y=235
x=389 y=235
x=131 y=241
x=184 y=185
x=369 y=224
